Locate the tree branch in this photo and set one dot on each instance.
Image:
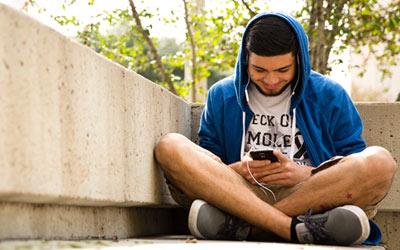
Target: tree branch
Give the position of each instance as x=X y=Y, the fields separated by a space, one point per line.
x=336 y=16
x=312 y=11
x=153 y=49
x=193 y=49
x=252 y=13
x=27 y=4
x=321 y=38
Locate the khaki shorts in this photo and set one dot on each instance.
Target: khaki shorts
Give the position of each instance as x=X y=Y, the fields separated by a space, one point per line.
x=279 y=192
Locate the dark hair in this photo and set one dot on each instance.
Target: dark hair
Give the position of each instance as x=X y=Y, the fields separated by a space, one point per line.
x=271 y=36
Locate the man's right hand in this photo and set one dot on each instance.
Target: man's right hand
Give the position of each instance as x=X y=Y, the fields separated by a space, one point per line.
x=257 y=168
x=285 y=172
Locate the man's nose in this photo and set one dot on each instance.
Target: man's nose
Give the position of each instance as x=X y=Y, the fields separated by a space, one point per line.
x=271 y=79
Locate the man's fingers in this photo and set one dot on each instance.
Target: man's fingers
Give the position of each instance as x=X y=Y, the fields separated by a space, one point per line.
x=259 y=163
x=263 y=174
x=281 y=157
x=266 y=169
x=259 y=175
x=277 y=178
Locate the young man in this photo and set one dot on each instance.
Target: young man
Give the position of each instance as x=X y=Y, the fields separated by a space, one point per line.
x=275 y=101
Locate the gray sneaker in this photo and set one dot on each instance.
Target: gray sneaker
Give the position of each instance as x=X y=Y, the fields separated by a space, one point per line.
x=346 y=225
x=208 y=222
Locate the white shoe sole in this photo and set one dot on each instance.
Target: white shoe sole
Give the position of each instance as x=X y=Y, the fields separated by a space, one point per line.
x=193 y=214
x=364 y=222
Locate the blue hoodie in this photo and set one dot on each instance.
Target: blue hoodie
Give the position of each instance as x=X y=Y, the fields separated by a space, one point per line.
x=324 y=113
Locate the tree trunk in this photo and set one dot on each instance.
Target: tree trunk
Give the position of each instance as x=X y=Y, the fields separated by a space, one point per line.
x=322 y=39
x=193 y=50
x=153 y=50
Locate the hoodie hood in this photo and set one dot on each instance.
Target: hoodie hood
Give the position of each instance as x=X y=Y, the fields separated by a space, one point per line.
x=241 y=77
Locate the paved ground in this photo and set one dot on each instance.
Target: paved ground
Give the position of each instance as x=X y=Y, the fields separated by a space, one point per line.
x=162 y=243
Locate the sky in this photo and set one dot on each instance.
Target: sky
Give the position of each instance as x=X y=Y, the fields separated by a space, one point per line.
x=84 y=13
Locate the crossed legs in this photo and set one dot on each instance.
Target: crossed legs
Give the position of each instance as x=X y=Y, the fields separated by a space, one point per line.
x=354 y=180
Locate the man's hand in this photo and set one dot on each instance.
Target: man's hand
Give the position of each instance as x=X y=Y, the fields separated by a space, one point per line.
x=284 y=172
x=256 y=167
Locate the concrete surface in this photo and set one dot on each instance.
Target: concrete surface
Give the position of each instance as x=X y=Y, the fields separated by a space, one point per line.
x=196 y=115
x=76 y=128
x=381 y=127
x=172 y=243
x=40 y=221
x=389 y=222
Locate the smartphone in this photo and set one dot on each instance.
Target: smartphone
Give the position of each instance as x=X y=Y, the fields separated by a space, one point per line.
x=265 y=154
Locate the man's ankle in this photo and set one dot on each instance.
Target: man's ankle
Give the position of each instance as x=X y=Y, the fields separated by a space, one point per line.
x=293 y=233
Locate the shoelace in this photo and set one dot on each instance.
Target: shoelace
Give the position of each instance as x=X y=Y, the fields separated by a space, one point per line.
x=316 y=227
x=231 y=226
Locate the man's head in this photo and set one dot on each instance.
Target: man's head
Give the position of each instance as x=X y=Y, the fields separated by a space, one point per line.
x=272 y=48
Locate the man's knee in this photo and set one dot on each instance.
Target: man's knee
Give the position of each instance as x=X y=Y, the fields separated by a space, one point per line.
x=379 y=160
x=378 y=172
x=167 y=148
x=167 y=145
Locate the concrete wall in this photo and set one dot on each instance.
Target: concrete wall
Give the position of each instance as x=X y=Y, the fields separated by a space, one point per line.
x=381 y=127
x=76 y=128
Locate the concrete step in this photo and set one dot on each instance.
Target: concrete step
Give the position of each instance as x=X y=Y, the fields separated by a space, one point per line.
x=168 y=243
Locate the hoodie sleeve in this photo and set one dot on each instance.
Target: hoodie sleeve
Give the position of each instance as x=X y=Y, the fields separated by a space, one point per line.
x=347 y=127
x=209 y=136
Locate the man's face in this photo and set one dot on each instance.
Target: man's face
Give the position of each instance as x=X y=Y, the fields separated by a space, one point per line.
x=272 y=74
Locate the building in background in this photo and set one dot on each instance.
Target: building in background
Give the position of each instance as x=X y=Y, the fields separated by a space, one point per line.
x=370 y=86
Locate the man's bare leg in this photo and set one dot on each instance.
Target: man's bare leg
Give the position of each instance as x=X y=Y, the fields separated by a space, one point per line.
x=201 y=177
x=360 y=179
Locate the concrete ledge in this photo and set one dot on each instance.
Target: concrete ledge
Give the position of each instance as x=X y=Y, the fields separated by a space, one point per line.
x=76 y=128
x=381 y=128
x=33 y=221
x=389 y=223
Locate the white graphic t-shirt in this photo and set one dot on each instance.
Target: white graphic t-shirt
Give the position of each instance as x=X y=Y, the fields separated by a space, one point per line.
x=271 y=125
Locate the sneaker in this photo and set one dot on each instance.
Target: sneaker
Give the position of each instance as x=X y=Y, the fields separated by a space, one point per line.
x=346 y=225
x=208 y=222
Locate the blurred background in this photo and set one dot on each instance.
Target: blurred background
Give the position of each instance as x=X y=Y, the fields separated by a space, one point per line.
x=188 y=45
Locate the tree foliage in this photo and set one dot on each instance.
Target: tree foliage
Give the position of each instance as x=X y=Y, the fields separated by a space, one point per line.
x=214 y=35
x=358 y=24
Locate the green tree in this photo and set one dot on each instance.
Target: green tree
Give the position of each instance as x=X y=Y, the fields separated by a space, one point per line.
x=120 y=35
x=213 y=36
x=217 y=35
x=356 y=24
